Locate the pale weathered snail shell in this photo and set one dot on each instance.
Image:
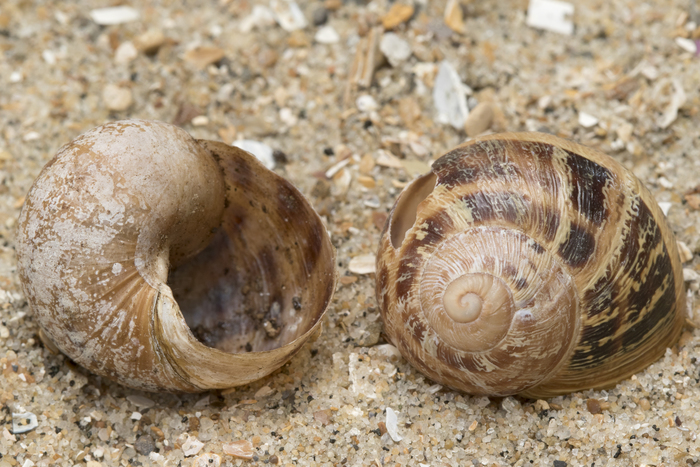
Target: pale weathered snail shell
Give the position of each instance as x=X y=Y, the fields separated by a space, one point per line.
x=526 y=263
x=168 y=263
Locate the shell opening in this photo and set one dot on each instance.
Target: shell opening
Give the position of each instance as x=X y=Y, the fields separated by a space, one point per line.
x=404 y=215
x=262 y=281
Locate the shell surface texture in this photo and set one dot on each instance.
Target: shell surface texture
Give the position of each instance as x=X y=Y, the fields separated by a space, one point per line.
x=171 y=264
x=528 y=264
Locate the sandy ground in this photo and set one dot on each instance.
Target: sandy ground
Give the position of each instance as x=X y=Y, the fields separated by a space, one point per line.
x=625 y=82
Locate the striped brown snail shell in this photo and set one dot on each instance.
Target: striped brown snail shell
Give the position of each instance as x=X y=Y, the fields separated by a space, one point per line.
x=526 y=263
x=171 y=264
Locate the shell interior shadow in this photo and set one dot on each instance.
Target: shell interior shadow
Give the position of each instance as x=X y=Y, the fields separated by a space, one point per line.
x=267 y=274
x=404 y=215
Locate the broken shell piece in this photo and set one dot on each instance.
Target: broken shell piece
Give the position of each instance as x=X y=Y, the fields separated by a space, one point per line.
x=363 y=264
x=23 y=422
x=191 y=446
x=242 y=449
x=449 y=96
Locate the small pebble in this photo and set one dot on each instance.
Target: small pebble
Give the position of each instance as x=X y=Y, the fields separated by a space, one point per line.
x=319 y=16
x=150 y=41
x=387 y=350
x=140 y=401
x=323 y=416
x=207 y=460
x=263 y=392
x=387 y=159
x=267 y=57
x=288 y=118
x=114 y=15
x=144 y=445
x=200 y=120
x=683 y=250
x=242 y=449
x=397 y=14
x=327 y=35
x=125 y=53
x=454 y=17
x=49 y=57
x=479 y=119
x=689 y=275
x=202 y=57
x=395 y=49
x=31 y=136
x=117 y=98
x=593 y=406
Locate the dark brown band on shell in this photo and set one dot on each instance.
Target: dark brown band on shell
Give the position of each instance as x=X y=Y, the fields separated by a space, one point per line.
x=602 y=226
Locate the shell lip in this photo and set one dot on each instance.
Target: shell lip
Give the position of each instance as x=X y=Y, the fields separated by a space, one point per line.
x=297 y=284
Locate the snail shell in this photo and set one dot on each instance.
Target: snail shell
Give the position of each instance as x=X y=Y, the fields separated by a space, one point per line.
x=168 y=263
x=525 y=263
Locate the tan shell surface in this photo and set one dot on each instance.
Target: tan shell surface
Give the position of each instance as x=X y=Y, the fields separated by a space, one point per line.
x=134 y=216
x=583 y=248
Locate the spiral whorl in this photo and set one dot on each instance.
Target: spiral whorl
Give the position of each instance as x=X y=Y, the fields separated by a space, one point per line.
x=524 y=263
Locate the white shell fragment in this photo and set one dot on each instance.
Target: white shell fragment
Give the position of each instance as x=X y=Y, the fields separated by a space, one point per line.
x=23 y=422
x=261 y=151
x=242 y=449
x=387 y=159
x=677 y=101
x=395 y=49
x=114 y=15
x=587 y=120
x=327 y=35
x=288 y=15
x=449 y=97
x=125 y=53
x=366 y=103
x=192 y=446
x=551 y=15
x=688 y=45
x=391 y=425
x=665 y=207
x=363 y=264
